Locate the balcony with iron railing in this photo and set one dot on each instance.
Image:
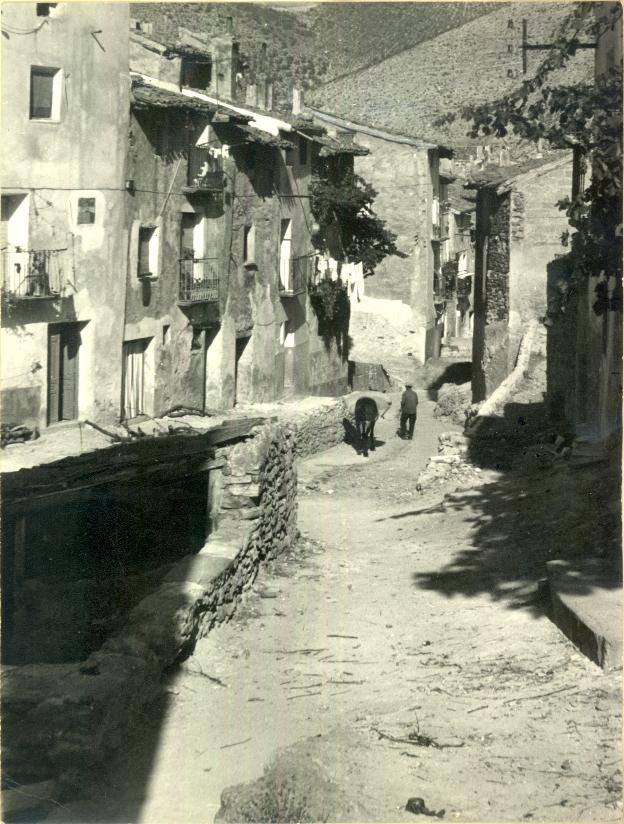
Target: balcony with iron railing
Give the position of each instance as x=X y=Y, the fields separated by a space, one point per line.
x=33 y=273
x=199 y=281
x=295 y=274
x=205 y=171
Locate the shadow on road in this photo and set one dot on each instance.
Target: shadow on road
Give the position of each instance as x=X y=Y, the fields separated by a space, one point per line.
x=352 y=437
x=457 y=373
x=539 y=509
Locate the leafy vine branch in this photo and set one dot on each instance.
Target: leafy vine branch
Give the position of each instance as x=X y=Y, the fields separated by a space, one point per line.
x=586 y=117
x=349 y=229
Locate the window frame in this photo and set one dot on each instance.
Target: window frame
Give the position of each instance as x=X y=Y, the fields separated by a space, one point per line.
x=88 y=210
x=249 y=243
x=56 y=75
x=153 y=258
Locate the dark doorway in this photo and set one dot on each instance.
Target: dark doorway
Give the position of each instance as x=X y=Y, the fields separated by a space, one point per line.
x=63 y=350
x=241 y=345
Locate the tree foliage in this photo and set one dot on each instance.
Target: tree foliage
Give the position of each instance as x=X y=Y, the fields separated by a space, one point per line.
x=586 y=117
x=344 y=203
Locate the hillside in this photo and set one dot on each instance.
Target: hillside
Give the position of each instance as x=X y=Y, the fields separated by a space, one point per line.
x=351 y=36
x=476 y=62
x=310 y=44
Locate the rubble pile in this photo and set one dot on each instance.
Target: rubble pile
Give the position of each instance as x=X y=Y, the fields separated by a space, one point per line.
x=11 y=433
x=449 y=465
x=454 y=402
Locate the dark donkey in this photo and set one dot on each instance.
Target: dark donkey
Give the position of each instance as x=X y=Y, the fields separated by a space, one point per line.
x=366 y=413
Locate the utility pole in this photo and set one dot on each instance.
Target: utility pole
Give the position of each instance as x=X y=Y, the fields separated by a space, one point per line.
x=527 y=47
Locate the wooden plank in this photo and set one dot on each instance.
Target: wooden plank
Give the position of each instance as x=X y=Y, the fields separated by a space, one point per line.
x=135 y=460
x=134 y=476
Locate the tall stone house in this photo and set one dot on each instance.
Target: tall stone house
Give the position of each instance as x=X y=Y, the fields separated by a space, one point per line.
x=405 y=173
x=165 y=257
x=518 y=250
x=64 y=233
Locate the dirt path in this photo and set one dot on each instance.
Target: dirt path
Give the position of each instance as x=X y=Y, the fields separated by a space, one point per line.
x=392 y=615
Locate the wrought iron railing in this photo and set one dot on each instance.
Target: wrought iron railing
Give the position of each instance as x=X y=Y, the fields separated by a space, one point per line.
x=29 y=273
x=205 y=170
x=295 y=274
x=199 y=280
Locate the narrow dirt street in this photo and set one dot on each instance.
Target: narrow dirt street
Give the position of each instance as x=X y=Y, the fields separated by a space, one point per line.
x=390 y=618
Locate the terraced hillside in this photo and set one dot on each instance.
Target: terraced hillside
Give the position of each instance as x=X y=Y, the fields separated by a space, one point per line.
x=351 y=36
x=311 y=43
x=476 y=62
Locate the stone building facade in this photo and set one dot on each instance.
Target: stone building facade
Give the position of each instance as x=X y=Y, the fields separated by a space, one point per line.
x=165 y=257
x=245 y=233
x=64 y=234
x=518 y=240
x=596 y=406
x=404 y=171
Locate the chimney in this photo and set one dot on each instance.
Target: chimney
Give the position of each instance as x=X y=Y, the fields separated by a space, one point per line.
x=229 y=26
x=269 y=95
x=297 y=100
x=225 y=60
x=251 y=95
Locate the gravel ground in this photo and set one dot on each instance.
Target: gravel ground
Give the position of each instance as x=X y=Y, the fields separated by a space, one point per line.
x=394 y=616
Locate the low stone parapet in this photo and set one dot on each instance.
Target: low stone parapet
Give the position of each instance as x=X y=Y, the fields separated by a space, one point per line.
x=62 y=720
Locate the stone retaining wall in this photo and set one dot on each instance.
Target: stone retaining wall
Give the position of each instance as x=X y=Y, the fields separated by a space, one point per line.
x=62 y=720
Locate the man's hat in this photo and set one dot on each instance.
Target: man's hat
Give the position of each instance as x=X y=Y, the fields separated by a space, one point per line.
x=409 y=385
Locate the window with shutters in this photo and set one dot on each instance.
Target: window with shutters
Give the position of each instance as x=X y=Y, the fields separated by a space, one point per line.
x=147 y=259
x=289 y=155
x=86 y=210
x=45 y=93
x=63 y=352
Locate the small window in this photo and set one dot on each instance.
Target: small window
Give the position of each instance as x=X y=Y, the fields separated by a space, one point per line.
x=289 y=155
x=249 y=243
x=148 y=252
x=86 y=210
x=43 y=9
x=303 y=151
x=196 y=74
x=197 y=340
x=45 y=99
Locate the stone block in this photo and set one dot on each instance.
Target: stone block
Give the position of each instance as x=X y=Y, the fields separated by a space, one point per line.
x=202 y=569
x=249 y=489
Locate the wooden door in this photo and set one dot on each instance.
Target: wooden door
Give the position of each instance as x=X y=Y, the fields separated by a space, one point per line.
x=63 y=352
x=70 y=345
x=54 y=375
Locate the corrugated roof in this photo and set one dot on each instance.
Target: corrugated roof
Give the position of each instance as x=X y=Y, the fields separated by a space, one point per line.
x=493 y=176
x=380 y=131
x=263 y=138
x=460 y=198
x=332 y=146
x=145 y=95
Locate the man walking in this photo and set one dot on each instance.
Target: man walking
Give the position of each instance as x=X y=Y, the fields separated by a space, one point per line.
x=409 y=407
